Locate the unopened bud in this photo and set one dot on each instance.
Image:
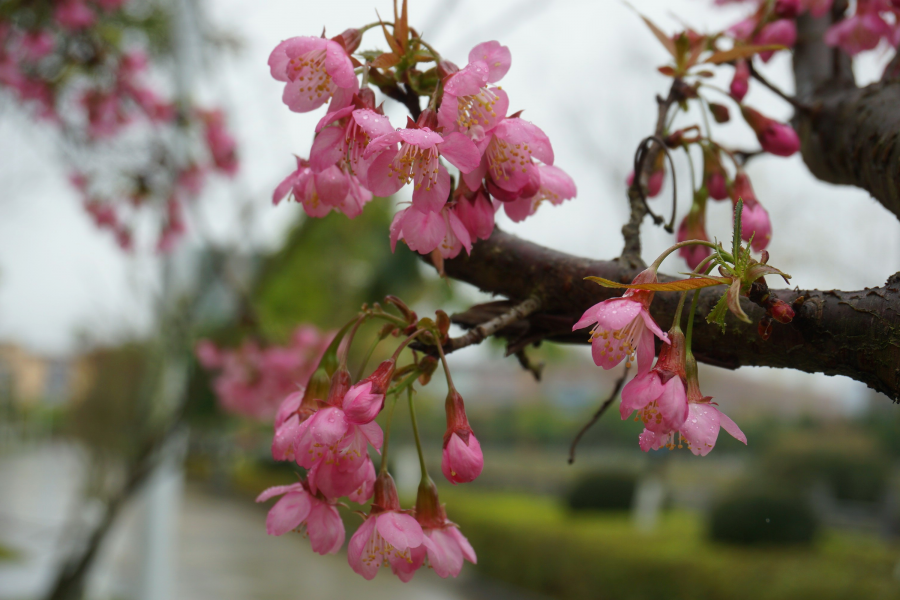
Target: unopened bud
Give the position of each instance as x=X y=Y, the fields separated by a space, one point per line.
x=446 y=68
x=719 y=112
x=781 y=311
x=349 y=40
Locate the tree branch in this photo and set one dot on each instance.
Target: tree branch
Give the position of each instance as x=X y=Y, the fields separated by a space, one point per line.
x=852 y=333
x=852 y=135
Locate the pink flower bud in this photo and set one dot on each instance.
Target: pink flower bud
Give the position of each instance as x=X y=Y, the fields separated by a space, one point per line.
x=755 y=222
x=476 y=214
x=788 y=9
x=741 y=81
x=774 y=137
x=693 y=229
x=782 y=32
x=462 y=459
x=654 y=182
x=717 y=186
x=742 y=190
x=781 y=311
x=361 y=404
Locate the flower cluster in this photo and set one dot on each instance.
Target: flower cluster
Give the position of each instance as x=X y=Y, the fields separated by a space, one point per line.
x=63 y=65
x=328 y=428
x=502 y=159
x=253 y=380
x=666 y=396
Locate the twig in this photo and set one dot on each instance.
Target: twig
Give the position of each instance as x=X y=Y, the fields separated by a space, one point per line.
x=477 y=334
x=606 y=404
x=631 y=231
x=789 y=99
x=535 y=369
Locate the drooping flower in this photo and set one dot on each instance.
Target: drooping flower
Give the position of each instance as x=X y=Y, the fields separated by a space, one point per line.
x=364 y=401
x=654 y=182
x=462 y=460
x=659 y=394
x=714 y=176
x=418 y=161
x=700 y=428
x=774 y=137
x=387 y=537
x=623 y=327
x=555 y=187
x=302 y=511
x=314 y=70
x=444 y=547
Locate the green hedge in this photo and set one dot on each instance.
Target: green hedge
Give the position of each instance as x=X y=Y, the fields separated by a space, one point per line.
x=764 y=518
x=536 y=544
x=603 y=490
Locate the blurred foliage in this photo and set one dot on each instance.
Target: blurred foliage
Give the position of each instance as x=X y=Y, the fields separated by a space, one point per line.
x=111 y=418
x=849 y=462
x=329 y=267
x=759 y=517
x=603 y=490
x=534 y=543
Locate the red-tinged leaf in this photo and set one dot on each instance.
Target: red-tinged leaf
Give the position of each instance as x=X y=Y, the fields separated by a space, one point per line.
x=423 y=58
x=355 y=62
x=681 y=285
x=734 y=301
x=760 y=270
x=667 y=71
x=395 y=47
x=386 y=61
x=665 y=40
x=696 y=51
x=725 y=56
x=401 y=25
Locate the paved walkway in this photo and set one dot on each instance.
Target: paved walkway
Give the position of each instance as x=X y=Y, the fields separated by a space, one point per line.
x=222 y=551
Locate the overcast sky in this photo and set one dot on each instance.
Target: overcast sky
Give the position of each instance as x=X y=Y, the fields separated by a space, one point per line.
x=584 y=71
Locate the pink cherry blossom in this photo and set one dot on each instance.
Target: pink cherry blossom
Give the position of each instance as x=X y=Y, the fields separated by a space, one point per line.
x=788 y=9
x=253 y=381
x=469 y=106
x=342 y=137
x=322 y=192
x=425 y=232
x=364 y=401
x=700 y=428
x=782 y=32
x=507 y=164
x=623 y=327
x=301 y=511
x=818 y=8
x=444 y=547
x=717 y=186
x=38 y=44
x=219 y=141
x=314 y=70
x=387 y=537
x=861 y=32
x=418 y=161
x=556 y=186
x=74 y=15
x=475 y=211
x=462 y=460
x=659 y=395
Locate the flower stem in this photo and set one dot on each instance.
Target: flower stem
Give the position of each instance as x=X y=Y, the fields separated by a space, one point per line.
x=440 y=349
x=415 y=428
x=387 y=436
x=690 y=324
x=362 y=367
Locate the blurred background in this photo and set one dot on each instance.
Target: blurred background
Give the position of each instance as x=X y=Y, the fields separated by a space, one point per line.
x=122 y=476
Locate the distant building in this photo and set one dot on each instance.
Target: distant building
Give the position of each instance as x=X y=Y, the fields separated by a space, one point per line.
x=28 y=379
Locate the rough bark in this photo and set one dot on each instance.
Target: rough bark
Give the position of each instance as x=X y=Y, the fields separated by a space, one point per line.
x=851 y=135
x=851 y=333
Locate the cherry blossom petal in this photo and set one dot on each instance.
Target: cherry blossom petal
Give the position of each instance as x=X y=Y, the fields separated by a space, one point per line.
x=433 y=198
x=279 y=490
x=731 y=427
x=701 y=428
x=399 y=530
x=288 y=513
x=327 y=149
x=497 y=58
x=325 y=528
x=639 y=392
x=356 y=550
x=616 y=313
x=460 y=152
